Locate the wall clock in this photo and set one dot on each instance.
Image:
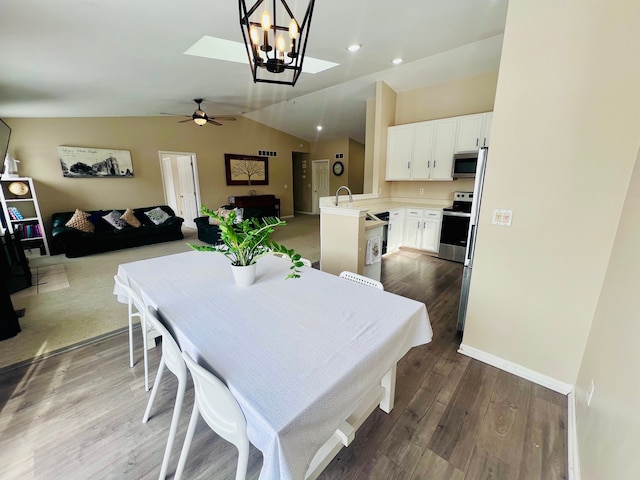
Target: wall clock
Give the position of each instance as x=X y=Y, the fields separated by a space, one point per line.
x=338 y=168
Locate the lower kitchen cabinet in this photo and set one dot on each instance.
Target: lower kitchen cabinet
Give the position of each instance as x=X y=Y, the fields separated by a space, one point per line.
x=422 y=229
x=395 y=232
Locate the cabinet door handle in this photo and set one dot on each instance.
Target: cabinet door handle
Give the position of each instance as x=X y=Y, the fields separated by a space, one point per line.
x=408 y=165
x=477 y=141
x=428 y=164
x=484 y=144
x=434 y=163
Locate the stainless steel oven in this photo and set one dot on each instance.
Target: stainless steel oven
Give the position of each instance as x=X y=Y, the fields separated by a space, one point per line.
x=455 y=227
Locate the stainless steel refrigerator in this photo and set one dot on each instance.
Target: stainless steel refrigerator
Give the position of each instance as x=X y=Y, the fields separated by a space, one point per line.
x=471 y=236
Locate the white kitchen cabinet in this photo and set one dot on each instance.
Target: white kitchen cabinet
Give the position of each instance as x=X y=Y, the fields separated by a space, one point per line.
x=399 y=152
x=412 y=228
x=431 y=230
x=422 y=229
x=443 y=148
x=421 y=151
x=394 y=230
x=473 y=131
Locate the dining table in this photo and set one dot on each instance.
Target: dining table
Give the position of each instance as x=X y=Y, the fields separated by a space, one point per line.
x=301 y=356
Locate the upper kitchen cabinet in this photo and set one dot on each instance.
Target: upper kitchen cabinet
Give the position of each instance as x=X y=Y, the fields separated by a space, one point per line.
x=473 y=131
x=443 y=147
x=421 y=151
x=409 y=151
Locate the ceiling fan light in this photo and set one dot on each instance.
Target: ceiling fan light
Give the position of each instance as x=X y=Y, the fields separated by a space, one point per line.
x=200 y=121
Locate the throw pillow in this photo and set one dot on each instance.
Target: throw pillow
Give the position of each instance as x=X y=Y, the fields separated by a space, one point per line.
x=157 y=215
x=114 y=219
x=130 y=218
x=80 y=221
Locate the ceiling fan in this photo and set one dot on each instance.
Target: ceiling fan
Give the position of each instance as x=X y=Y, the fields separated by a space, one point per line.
x=199 y=117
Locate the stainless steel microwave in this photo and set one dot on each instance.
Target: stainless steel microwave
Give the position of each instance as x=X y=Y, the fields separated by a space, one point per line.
x=464 y=164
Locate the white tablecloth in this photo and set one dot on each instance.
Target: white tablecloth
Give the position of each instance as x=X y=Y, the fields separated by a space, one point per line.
x=297 y=354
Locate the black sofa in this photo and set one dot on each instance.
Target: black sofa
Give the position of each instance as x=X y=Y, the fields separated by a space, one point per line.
x=105 y=238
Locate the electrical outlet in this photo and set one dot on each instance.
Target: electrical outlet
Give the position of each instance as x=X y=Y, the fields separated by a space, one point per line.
x=497 y=217
x=421 y=191
x=592 y=387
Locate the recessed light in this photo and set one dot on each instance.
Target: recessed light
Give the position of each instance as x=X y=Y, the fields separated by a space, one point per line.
x=354 y=47
x=396 y=61
x=319 y=128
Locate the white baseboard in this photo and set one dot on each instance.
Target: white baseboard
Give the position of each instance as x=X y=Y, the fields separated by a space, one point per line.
x=573 y=462
x=523 y=372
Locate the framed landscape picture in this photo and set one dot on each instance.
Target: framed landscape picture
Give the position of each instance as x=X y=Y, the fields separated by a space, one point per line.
x=246 y=169
x=83 y=162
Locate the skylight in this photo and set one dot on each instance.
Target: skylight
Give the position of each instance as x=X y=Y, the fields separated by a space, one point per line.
x=230 y=51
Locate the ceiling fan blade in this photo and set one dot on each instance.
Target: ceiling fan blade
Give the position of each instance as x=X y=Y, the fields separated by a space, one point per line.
x=175 y=114
x=185 y=121
x=209 y=120
x=230 y=119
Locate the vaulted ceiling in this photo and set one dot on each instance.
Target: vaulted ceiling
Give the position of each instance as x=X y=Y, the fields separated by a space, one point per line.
x=110 y=58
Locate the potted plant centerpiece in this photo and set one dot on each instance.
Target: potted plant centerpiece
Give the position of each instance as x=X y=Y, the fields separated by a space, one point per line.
x=244 y=242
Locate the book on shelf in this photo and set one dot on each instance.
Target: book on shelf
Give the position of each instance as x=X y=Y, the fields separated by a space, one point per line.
x=15 y=213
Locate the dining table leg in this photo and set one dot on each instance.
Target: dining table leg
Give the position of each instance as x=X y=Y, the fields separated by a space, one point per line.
x=388 y=383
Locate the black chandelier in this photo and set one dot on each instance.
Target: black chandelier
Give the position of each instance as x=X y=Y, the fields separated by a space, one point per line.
x=271 y=59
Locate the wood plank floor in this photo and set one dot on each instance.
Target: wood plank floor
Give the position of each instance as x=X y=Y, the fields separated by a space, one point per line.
x=78 y=415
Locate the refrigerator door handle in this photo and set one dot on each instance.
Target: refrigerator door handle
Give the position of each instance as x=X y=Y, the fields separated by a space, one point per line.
x=472 y=240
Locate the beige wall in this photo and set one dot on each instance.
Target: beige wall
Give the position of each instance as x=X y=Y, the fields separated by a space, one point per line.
x=327 y=150
x=34 y=143
x=356 y=166
x=384 y=117
x=461 y=97
x=565 y=136
x=609 y=428
x=369 y=146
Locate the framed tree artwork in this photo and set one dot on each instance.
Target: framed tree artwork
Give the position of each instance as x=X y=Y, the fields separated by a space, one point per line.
x=246 y=169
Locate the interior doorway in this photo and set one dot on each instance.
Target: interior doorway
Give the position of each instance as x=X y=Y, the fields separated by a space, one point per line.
x=320 y=182
x=301 y=168
x=180 y=183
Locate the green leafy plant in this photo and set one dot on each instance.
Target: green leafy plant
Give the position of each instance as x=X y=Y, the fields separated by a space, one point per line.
x=245 y=242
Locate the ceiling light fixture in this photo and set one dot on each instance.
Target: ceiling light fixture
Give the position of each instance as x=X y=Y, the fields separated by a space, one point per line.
x=396 y=61
x=266 y=46
x=319 y=128
x=354 y=47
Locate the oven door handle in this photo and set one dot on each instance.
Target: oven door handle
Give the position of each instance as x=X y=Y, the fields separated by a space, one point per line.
x=457 y=214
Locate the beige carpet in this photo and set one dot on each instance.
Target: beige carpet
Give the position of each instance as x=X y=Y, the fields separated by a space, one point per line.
x=87 y=309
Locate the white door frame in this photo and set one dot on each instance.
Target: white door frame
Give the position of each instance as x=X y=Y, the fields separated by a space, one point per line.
x=315 y=198
x=194 y=169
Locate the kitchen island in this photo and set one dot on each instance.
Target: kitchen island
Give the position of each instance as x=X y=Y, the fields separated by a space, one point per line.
x=345 y=230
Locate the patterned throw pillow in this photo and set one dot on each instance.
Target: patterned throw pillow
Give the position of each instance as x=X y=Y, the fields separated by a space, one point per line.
x=80 y=221
x=157 y=215
x=130 y=218
x=113 y=218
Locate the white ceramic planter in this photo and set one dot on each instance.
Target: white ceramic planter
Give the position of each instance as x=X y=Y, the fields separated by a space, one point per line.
x=244 y=275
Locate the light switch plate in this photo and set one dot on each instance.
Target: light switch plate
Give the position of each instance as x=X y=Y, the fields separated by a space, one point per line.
x=502 y=217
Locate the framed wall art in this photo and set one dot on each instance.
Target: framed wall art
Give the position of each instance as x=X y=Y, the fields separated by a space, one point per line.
x=246 y=169
x=83 y=162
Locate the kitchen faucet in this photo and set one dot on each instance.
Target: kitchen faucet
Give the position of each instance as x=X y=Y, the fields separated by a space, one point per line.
x=347 y=189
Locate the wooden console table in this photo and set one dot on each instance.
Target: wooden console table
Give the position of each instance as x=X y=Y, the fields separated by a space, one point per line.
x=268 y=205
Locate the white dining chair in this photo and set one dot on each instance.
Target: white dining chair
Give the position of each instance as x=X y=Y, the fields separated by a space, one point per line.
x=220 y=411
x=136 y=309
x=361 y=279
x=172 y=359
